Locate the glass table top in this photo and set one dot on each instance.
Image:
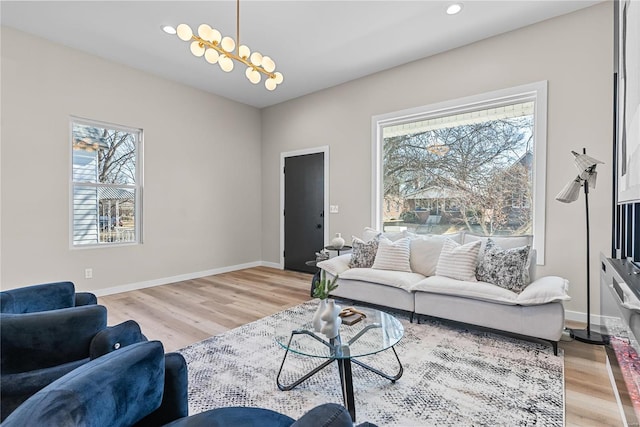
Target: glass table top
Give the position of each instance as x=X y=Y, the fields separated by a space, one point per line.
x=376 y=332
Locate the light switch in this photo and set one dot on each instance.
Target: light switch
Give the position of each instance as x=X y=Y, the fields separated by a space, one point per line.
x=333 y=209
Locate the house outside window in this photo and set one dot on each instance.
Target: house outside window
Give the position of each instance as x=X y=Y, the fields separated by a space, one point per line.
x=106 y=184
x=474 y=165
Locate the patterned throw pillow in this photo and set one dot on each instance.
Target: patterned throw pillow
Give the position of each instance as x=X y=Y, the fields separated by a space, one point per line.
x=363 y=253
x=393 y=255
x=506 y=268
x=458 y=261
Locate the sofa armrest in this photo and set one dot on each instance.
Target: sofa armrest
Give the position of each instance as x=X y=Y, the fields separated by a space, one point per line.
x=85 y=298
x=336 y=265
x=544 y=290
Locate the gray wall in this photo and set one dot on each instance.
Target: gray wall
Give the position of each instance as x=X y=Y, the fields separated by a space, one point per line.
x=201 y=211
x=573 y=52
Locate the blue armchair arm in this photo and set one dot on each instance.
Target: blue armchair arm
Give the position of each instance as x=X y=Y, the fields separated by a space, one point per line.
x=85 y=298
x=175 y=398
x=44 y=339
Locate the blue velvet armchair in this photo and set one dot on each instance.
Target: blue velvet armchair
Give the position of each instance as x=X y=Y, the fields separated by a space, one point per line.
x=141 y=386
x=46 y=331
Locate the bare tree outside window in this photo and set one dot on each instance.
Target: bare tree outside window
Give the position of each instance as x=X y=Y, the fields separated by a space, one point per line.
x=463 y=175
x=106 y=183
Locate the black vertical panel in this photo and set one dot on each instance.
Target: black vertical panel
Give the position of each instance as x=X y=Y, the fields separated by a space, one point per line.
x=636 y=232
x=303 y=210
x=622 y=230
x=629 y=235
x=615 y=241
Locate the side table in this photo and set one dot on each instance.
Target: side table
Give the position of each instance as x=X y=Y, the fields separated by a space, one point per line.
x=338 y=250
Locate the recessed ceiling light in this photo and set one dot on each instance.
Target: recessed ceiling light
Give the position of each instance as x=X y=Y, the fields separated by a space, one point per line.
x=168 y=29
x=454 y=8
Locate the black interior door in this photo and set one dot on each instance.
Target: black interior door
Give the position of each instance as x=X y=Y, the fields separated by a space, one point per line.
x=303 y=210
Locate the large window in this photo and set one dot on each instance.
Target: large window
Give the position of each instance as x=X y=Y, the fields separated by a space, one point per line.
x=474 y=164
x=106 y=184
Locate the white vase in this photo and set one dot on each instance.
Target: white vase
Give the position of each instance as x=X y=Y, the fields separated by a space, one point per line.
x=331 y=319
x=337 y=242
x=317 y=321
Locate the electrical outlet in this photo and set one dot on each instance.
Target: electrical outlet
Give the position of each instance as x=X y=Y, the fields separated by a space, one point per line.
x=88 y=273
x=333 y=208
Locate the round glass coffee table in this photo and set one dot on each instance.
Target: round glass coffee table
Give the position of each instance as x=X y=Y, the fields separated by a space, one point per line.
x=377 y=332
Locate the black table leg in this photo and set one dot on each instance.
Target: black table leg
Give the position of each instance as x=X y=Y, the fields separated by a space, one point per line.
x=346 y=381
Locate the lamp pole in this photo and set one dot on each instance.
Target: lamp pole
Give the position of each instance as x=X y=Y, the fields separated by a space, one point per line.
x=586 y=335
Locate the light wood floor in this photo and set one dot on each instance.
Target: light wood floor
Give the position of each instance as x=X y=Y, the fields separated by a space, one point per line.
x=182 y=313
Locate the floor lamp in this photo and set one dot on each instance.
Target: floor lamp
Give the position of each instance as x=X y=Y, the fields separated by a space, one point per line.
x=586 y=178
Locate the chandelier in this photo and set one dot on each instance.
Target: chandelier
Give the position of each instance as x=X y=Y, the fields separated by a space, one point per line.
x=209 y=43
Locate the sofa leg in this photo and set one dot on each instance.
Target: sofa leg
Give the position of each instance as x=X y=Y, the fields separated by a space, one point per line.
x=555 y=347
x=411 y=317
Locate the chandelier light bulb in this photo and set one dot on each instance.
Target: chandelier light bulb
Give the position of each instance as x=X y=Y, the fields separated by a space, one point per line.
x=197 y=49
x=215 y=36
x=244 y=52
x=254 y=77
x=226 y=64
x=268 y=64
x=248 y=72
x=270 y=84
x=279 y=77
x=256 y=59
x=228 y=44
x=204 y=31
x=184 y=32
x=211 y=56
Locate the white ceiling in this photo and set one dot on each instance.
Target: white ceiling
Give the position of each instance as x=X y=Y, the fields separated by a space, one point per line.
x=315 y=44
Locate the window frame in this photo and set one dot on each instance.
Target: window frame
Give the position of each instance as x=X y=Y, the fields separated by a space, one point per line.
x=536 y=92
x=138 y=187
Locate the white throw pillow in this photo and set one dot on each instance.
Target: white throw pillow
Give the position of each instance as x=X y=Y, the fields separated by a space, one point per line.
x=393 y=255
x=458 y=261
x=425 y=252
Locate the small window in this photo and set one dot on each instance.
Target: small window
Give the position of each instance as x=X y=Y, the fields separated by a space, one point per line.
x=106 y=184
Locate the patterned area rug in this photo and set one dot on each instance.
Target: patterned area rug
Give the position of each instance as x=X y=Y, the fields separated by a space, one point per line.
x=452 y=377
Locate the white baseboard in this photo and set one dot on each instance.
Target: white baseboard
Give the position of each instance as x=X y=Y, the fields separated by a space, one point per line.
x=181 y=277
x=272 y=265
x=578 y=316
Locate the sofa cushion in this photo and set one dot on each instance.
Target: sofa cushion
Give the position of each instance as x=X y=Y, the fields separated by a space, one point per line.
x=506 y=268
x=425 y=251
x=476 y=290
x=397 y=279
x=505 y=242
x=335 y=265
x=393 y=255
x=369 y=233
x=545 y=289
x=458 y=261
x=363 y=253
x=542 y=291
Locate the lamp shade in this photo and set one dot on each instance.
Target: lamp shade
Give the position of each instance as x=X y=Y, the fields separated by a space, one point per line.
x=584 y=162
x=570 y=192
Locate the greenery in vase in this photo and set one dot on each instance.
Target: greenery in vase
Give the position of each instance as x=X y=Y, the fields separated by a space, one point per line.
x=323 y=287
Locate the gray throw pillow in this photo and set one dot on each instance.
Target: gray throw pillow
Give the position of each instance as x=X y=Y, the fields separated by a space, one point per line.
x=506 y=268
x=363 y=253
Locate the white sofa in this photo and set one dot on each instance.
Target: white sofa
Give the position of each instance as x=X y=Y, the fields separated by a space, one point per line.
x=536 y=311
